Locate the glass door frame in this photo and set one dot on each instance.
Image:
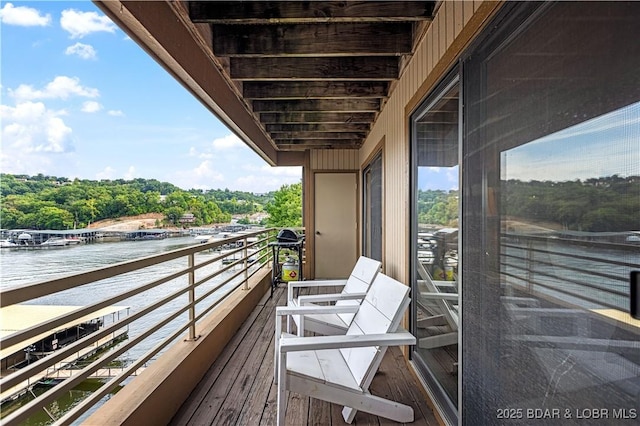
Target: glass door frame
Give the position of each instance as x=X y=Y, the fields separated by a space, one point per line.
x=445 y=406
x=366 y=217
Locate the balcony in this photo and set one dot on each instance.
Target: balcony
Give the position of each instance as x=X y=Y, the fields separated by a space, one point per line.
x=212 y=361
x=238 y=387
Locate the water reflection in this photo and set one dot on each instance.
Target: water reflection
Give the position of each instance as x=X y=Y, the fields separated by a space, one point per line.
x=570 y=204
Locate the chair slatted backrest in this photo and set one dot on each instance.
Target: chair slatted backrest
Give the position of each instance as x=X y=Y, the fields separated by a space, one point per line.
x=380 y=312
x=444 y=307
x=362 y=275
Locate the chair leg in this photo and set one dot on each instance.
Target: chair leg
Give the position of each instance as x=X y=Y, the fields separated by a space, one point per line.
x=363 y=400
x=282 y=389
x=276 y=358
x=380 y=407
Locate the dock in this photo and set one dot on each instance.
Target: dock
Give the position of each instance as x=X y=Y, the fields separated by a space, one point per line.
x=15 y=318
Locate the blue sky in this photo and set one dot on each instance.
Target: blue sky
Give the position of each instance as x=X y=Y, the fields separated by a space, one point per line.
x=81 y=99
x=602 y=146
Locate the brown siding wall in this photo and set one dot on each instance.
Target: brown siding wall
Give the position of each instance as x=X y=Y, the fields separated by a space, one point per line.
x=454 y=26
x=334 y=159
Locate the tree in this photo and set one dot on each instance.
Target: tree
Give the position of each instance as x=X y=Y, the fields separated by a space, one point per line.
x=286 y=208
x=174 y=214
x=54 y=218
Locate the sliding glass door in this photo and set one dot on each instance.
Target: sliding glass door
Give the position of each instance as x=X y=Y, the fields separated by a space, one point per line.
x=435 y=131
x=551 y=213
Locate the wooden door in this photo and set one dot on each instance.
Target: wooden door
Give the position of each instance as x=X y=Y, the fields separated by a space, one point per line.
x=336 y=227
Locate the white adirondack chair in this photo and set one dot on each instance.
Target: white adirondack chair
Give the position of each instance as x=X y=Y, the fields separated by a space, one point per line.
x=441 y=312
x=339 y=369
x=353 y=291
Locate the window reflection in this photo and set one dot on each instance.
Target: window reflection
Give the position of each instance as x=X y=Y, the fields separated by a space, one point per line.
x=551 y=211
x=570 y=223
x=436 y=195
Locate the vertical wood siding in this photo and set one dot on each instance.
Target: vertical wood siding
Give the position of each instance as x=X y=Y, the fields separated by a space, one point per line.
x=393 y=125
x=334 y=159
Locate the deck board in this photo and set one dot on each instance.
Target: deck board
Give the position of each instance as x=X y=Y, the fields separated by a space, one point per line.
x=238 y=388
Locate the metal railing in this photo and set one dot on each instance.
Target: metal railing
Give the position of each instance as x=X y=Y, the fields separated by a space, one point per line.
x=577 y=272
x=229 y=265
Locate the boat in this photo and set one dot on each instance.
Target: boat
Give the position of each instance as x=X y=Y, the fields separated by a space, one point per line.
x=25 y=239
x=54 y=242
x=61 y=242
x=6 y=243
x=72 y=241
x=203 y=238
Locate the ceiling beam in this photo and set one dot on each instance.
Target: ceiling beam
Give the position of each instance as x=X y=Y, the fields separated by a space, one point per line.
x=331 y=39
x=314 y=89
x=323 y=68
x=326 y=105
x=317 y=117
x=317 y=135
x=317 y=127
x=304 y=144
x=308 y=11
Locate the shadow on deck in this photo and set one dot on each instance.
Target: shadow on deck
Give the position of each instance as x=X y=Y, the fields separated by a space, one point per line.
x=238 y=389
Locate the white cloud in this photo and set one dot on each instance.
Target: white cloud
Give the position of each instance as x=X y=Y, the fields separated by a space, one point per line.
x=31 y=134
x=60 y=87
x=91 y=106
x=31 y=127
x=79 y=24
x=229 y=141
x=115 y=113
x=262 y=183
x=85 y=51
x=228 y=163
x=203 y=176
x=205 y=170
x=107 y=173
x=193 y=152
x=130 y=173
x=23 y=16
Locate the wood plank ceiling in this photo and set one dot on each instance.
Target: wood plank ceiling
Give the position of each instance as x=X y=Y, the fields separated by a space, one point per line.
x=315 y=74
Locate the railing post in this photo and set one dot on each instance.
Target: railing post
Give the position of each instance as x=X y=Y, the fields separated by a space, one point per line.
x=530 y=261
x=192 y=298
x=246 y=265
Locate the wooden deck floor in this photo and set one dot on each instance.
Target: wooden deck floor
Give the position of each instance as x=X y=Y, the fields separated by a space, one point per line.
x=238 y=389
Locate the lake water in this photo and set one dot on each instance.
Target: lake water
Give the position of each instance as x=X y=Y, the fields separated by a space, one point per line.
x=19 y=267
x=26 y=266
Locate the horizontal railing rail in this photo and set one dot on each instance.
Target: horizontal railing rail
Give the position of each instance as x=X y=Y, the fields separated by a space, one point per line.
x=592 y=272
x=204 y=281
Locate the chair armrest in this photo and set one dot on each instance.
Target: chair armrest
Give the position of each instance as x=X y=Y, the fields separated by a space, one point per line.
x=318 y=283
x=315 y=310
x=306 y=310
x=294 y=344
x=315 y=298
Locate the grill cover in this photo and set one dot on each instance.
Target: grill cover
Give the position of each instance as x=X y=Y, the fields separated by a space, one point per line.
x=287 y=236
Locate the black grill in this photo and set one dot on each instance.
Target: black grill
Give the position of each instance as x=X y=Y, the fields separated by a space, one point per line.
x=288 y=236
